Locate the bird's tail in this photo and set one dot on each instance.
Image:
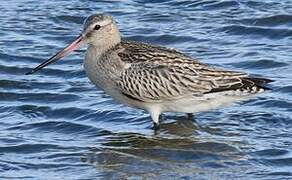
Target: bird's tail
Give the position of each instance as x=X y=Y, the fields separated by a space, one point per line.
x=260 y=82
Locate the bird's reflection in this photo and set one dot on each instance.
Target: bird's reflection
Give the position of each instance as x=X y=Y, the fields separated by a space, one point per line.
x=178 y=141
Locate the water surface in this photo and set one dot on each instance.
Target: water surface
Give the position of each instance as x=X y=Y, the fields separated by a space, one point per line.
x=57 y=125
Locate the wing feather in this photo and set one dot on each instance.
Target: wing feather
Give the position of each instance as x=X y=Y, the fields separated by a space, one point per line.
x=156 y=74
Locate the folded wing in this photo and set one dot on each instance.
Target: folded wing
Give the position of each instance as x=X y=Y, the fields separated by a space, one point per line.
x=161 y=74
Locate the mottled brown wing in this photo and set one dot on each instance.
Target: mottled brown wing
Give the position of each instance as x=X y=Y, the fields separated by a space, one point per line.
x=152 y=82
x=157 y=82
x=156 y=74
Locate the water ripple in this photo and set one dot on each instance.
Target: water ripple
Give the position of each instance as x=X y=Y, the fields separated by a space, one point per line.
x=260 y=64
x=271 y=21
x=257 y=32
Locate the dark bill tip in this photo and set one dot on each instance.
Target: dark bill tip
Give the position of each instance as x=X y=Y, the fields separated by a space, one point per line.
x=30 y=72
x=71 y=47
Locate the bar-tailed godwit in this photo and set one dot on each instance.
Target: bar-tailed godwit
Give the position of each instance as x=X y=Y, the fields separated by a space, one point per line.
x=153 y=78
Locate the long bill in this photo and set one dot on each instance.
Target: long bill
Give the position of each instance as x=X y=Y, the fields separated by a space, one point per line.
x=68 y=49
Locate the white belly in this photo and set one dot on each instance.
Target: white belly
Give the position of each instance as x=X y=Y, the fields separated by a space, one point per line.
x=198 y=104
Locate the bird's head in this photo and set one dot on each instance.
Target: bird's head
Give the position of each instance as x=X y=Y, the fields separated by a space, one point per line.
x=100 y=31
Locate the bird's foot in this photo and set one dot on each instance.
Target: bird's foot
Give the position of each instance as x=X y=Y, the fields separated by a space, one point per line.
x=190 y=116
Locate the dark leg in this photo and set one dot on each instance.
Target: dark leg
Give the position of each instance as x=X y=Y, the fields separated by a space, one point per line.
x=190 y=116
x=155 y=126
x=155 y=119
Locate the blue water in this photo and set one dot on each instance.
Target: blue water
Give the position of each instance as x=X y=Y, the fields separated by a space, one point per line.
x=57 y=125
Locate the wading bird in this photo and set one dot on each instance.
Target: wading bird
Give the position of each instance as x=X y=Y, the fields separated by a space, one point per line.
x=153 y=78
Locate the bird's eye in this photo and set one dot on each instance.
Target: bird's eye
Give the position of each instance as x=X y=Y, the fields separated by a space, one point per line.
x=97 y=27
